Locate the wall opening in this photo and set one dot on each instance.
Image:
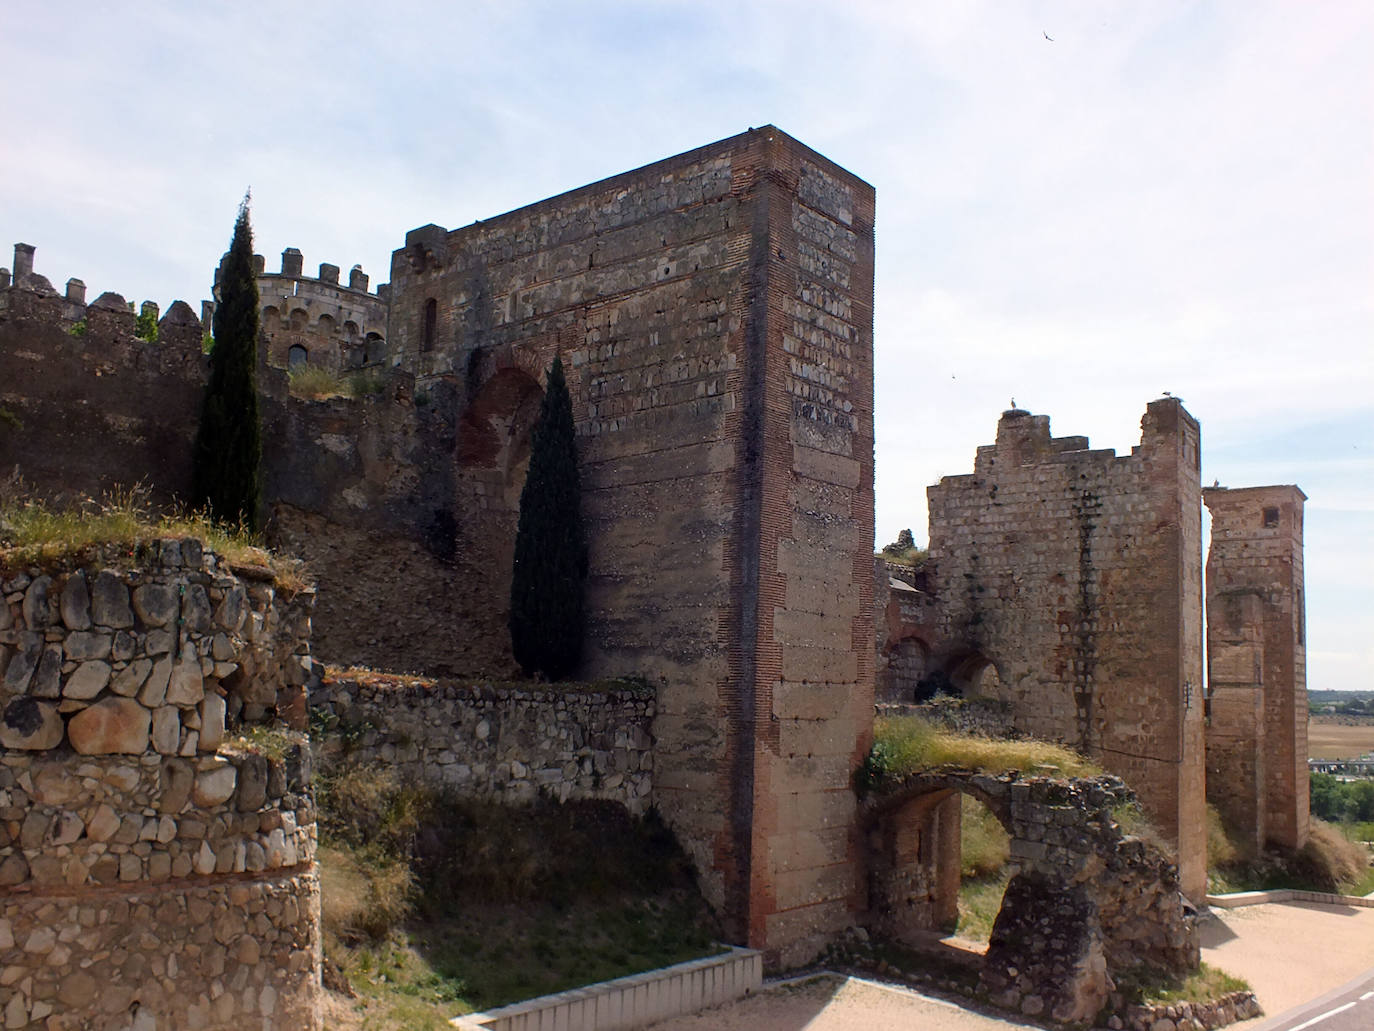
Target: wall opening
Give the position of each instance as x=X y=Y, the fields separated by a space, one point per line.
x=1271 y=518
x=297 y=356
x=431 y=325
x=907 y=664
x=984 y=868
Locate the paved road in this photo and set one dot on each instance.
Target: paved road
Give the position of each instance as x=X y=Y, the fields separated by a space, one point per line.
x=1348 y=1008
x=1294 y=954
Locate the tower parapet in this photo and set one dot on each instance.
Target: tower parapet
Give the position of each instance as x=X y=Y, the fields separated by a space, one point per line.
x=318 y=320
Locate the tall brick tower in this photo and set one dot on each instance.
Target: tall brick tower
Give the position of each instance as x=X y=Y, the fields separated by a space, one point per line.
x=1256 y=659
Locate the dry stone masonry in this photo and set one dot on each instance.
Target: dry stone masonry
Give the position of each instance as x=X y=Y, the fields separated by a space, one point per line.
x=503 y=742
x=155 y=874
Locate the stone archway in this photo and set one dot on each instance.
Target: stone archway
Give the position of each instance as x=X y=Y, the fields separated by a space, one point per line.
x=1085 y=901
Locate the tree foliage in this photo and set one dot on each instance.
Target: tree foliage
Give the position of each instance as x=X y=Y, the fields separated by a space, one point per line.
x=226 y=473
x=546 y=598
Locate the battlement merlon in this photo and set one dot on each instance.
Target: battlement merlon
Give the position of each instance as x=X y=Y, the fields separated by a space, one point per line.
x=26 y=294
x=293 y=271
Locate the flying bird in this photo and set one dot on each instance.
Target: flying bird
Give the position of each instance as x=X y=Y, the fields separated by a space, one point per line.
x=1047 y=35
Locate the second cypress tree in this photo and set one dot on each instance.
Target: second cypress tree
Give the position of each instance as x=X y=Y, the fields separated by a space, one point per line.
x=546 y=597
x=226 y=465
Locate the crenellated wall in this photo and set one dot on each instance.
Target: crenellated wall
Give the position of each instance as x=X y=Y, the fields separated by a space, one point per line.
x=156 y=868
x=86 y=404
x=317 y=319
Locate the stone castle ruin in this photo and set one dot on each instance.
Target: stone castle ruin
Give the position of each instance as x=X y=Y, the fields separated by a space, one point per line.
x=714 y=314
x=1065 y=583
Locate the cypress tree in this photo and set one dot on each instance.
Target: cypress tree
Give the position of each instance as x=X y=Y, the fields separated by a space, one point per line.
x=546 y=602
x=226 y=466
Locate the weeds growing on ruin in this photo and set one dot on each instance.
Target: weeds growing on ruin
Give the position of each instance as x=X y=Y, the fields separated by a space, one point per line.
x=1331 y=861
x=35 y=533
x=904 y=745
x=435 y=905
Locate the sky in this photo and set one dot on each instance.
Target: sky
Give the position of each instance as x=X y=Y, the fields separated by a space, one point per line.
x=1080 y=205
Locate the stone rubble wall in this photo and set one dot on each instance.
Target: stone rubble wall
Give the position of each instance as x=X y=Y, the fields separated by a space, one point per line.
x=155 y=873
x=490 y=741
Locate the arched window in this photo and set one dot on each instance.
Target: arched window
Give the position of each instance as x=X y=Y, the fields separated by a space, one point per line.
x=431 y=324
x=297 y=356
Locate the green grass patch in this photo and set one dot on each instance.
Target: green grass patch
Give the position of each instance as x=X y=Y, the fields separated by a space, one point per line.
x=980 y=899
x=436 y=905
x=904 y=745
x=1143 y=987
x=34 y=533
x=1331 y=861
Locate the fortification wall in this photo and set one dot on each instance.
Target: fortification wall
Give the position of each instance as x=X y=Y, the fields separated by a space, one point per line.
x=86 y=405
x=504 y=743
x=155 y=874
x=1256 y=663
x=714 y=314
x=1077 y=575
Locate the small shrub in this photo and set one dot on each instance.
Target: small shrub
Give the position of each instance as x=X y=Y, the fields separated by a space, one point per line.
x=363 y=895
x=366 y=384
x=78 y=328
x=145 y=325
x=8 y=418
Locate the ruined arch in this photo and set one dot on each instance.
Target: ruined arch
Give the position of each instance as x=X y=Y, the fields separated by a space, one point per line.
x=297 y=356
x=1085 y=903
x=964 y=670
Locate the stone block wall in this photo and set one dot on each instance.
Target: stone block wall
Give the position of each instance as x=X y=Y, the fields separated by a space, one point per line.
x=1077 y=575
x=155 y=874
x=502 y=742
x=1257 y=771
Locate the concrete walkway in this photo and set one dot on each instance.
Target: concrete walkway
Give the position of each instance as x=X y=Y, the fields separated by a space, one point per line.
x=1289 y=952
